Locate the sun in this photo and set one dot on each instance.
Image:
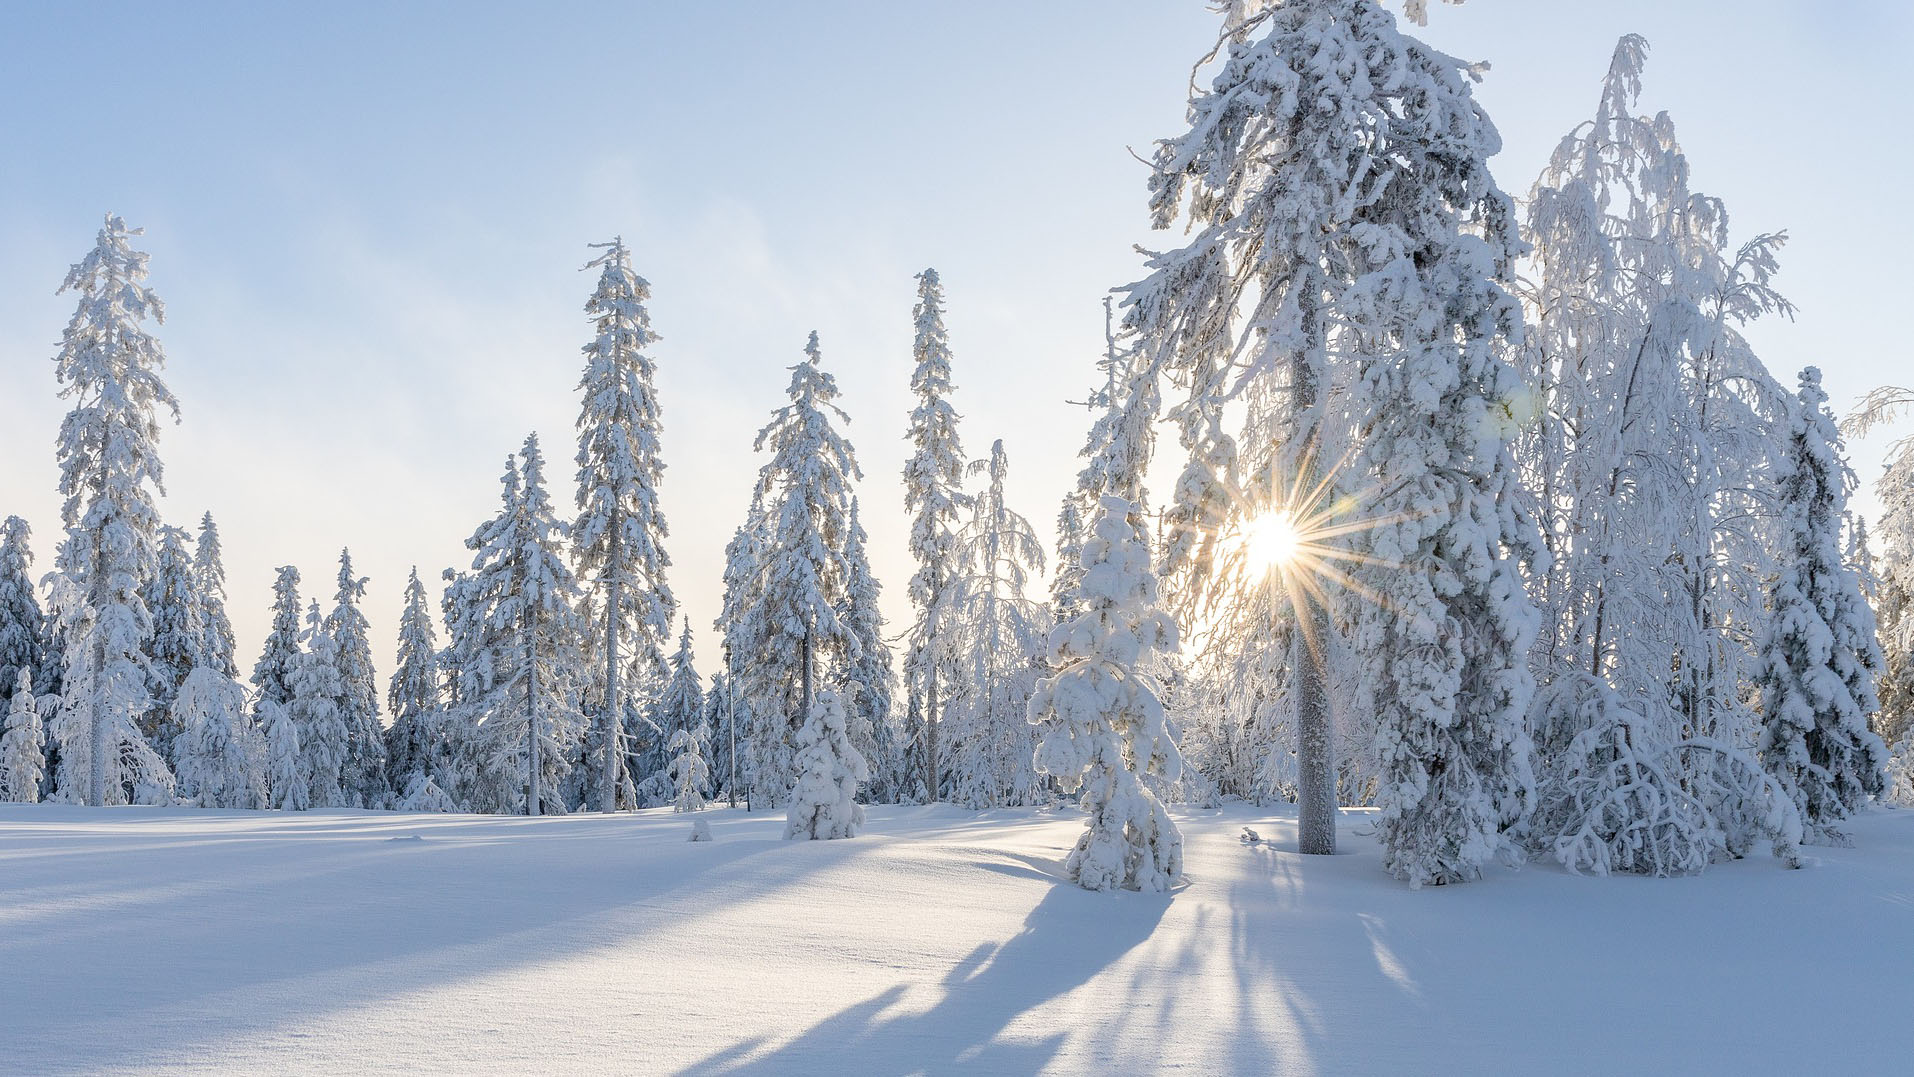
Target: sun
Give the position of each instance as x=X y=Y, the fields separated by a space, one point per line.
x=1270 y=540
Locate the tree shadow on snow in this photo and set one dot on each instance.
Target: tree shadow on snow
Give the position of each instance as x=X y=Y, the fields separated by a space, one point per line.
x=1068 y=938
x=1317 y=963
x=248 y=943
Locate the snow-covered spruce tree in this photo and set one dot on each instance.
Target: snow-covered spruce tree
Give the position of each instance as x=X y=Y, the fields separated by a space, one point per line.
x=516 y=638
x=25 y=644
x=216 y=646
x=220 y=759
x=1336 y=181
x=23 y=760
x=1115 y=454
x=681 y=704
x=690 y=773
x=461 y=675
x=802 y=576
x=718 y=719
x=995 y=632
x=647 y=757
x=934 y=496
x=1819 y=656
x=823 y=799
x=742 y=634
x=1656 y=425
x=414 y=741
x=1448 y=638
x=364 y=773
x=286 y=785
x=867 y=679
x=1101 y=720
x=620 y=533
x=272 y=673
x=172 y=597
x=108 y=366
x=320 y=701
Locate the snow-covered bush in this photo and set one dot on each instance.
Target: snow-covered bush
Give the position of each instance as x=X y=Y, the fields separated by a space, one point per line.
x=424 y=795
x=690 y=774
x=828 y=772
x=1620 y=797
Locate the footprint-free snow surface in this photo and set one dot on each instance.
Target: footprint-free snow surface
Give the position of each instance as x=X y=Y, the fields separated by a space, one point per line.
x=941 y=941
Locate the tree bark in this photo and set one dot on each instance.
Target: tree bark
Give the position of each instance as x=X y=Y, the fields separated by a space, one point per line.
x=731 y=705
x=930 y=741
x=608 y=796
x=1315 y=733
x=96 y=771
x=532 y=763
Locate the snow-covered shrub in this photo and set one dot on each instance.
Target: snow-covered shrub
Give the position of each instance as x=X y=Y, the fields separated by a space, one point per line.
x=1619 y=797
x=828 y=772
x=1610 y=802
x=422 y=794
x=690 y=774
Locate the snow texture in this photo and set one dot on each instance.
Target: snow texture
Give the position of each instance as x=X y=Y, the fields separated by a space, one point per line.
x=938 y=942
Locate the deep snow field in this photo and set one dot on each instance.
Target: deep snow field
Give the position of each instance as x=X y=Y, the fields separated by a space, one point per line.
x=173 y=940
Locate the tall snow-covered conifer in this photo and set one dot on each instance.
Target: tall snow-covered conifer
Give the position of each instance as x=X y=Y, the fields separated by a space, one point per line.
x=800 y=590
x=216 y=647
x=620 y=533
x=321 y=700
x=1115 y=454
x=934 y=496
x=108 y=451
x=363 y=776
x=742 y=635
x=172 y=596
x=25 y=644
x=516 y=645
x=995 y=632
x=414 y=740
x=272 y=673
x=868 y=678
x=1819 y=655
x=681 y=706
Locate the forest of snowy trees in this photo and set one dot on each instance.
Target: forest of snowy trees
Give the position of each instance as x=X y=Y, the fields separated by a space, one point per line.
x=1484 y=514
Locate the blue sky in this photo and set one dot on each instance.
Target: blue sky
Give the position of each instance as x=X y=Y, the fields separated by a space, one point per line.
x=367 y=221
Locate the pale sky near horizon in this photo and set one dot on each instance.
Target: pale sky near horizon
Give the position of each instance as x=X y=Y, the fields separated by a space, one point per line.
x=367 y=220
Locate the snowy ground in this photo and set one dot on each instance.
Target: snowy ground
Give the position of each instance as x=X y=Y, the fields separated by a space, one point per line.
x=940 y=942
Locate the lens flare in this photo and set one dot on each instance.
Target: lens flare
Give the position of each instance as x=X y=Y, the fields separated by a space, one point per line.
x=1270 y=541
